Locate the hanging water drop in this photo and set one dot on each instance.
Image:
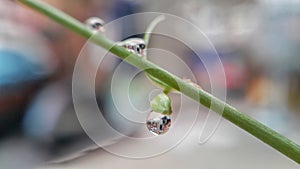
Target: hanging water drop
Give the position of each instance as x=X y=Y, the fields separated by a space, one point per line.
x=158 y=123
x=134 y=45
x=95 y=24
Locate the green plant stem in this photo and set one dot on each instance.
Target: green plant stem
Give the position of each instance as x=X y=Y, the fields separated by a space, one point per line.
x=262 y=132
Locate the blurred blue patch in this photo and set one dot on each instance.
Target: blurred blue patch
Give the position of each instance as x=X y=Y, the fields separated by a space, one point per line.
x=16 y=69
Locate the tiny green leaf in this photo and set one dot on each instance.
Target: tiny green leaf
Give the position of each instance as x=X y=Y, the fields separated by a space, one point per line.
x=161 y=104
x=157 y=82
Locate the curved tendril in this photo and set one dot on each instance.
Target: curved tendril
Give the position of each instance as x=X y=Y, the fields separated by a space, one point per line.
x=147 y=37
x=151 y=27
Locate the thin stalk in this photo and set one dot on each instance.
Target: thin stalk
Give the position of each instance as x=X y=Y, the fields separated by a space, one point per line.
x=262 y=132
x=151 y=27
x=147 y=37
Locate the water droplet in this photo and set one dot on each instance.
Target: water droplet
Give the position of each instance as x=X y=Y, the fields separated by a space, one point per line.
x=134 y=45
x=95 y=24
x=158 y=123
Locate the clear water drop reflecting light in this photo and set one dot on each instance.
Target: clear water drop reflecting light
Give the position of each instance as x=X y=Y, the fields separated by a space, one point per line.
x=158 y=123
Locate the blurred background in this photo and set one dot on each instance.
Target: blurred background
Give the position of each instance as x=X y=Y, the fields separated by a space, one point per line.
x=257 y=40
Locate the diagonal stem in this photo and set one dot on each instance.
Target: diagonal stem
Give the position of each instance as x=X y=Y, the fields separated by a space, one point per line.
x=262 y=132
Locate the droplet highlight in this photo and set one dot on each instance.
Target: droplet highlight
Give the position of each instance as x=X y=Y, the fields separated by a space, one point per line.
x=134 y=45
x=158 y=123
x=95 y=24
